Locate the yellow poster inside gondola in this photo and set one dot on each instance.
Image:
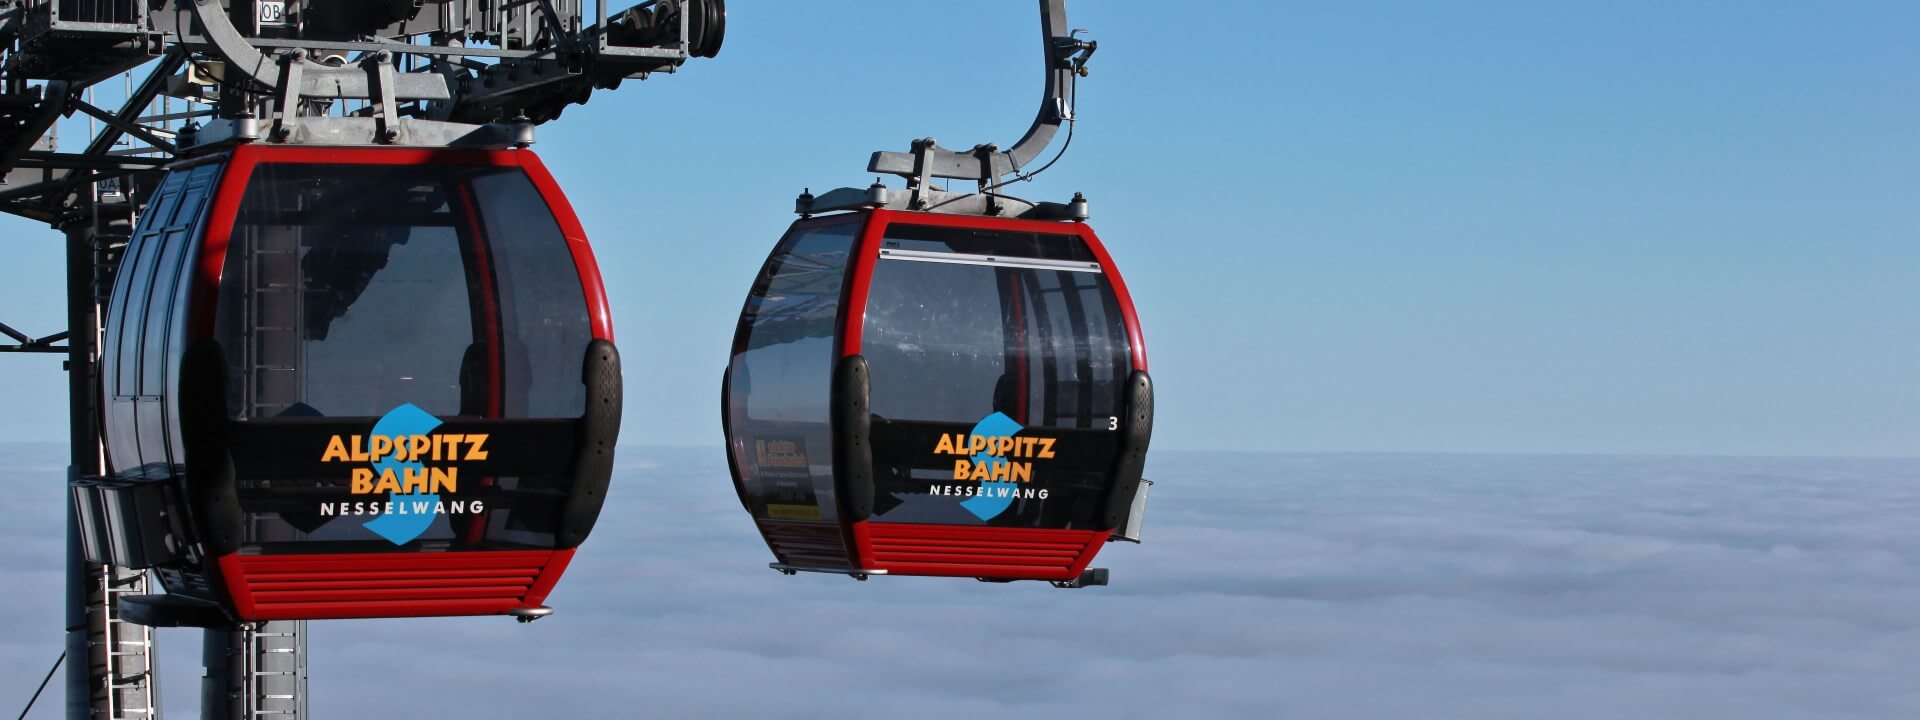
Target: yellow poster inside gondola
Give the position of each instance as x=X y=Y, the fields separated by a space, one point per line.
x=781 y=465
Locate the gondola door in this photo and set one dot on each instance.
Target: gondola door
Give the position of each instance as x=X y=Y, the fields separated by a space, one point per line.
x=998 y=358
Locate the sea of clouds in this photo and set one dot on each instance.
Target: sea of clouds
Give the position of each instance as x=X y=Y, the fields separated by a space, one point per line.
x=1271 y=585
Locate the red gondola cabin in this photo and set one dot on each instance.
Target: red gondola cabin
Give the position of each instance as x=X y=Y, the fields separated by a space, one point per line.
x=927 y=394
x=371 y=382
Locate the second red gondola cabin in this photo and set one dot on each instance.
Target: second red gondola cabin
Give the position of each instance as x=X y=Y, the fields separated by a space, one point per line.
x=927 y=394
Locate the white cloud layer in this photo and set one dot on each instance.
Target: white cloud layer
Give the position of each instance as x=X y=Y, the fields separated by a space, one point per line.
x=1310 y=586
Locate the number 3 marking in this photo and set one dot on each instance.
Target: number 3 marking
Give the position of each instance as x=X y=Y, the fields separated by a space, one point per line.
x=1113 y=423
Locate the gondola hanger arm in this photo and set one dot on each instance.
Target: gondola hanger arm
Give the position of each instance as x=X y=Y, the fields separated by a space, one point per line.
x=1064 y=57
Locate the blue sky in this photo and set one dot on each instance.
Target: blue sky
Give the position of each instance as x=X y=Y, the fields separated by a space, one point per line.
x=1627 y=227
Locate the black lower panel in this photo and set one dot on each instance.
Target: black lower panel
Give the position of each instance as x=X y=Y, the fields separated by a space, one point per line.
x=1041 y=478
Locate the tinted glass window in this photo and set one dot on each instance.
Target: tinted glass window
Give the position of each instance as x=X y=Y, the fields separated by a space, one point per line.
x=782 y=375
x=160 y=212
x=351 y=291
x=120 y=344
x=963 y=346
x=130 y=298
x=144 y=317
x=160 y=304
x=543 y=318
x=953 y=342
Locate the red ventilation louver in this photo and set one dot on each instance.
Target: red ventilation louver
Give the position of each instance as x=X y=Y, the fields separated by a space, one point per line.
x=274 y=587
x=1015 y=553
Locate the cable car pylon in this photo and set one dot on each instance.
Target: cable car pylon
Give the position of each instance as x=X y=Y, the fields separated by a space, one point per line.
x=277 y=78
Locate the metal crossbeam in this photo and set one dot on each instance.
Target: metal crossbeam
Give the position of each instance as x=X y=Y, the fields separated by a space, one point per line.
x=25 y=343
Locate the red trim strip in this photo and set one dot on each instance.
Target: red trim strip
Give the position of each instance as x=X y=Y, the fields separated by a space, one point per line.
x=383 y=609
x=204 y=297
x=543 y=585
x=490 y=560
x=1022 y=368
x=491 y=321
x=232 y=574
x=598 y=314
x=853 y=312
x=1135 y=338
x=1098 y=541
x=489 y=300
x=514 y=580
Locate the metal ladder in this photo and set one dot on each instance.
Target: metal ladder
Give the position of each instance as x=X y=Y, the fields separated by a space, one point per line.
x=258 y=672
x=120 y=658
x=277 y=670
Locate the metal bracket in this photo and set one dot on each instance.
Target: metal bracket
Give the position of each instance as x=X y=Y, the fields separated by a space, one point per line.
x=529 y=614
x=1091 y=577
x=857 y=574
x=918 y=183
x=287 y=110
x=386 y=116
